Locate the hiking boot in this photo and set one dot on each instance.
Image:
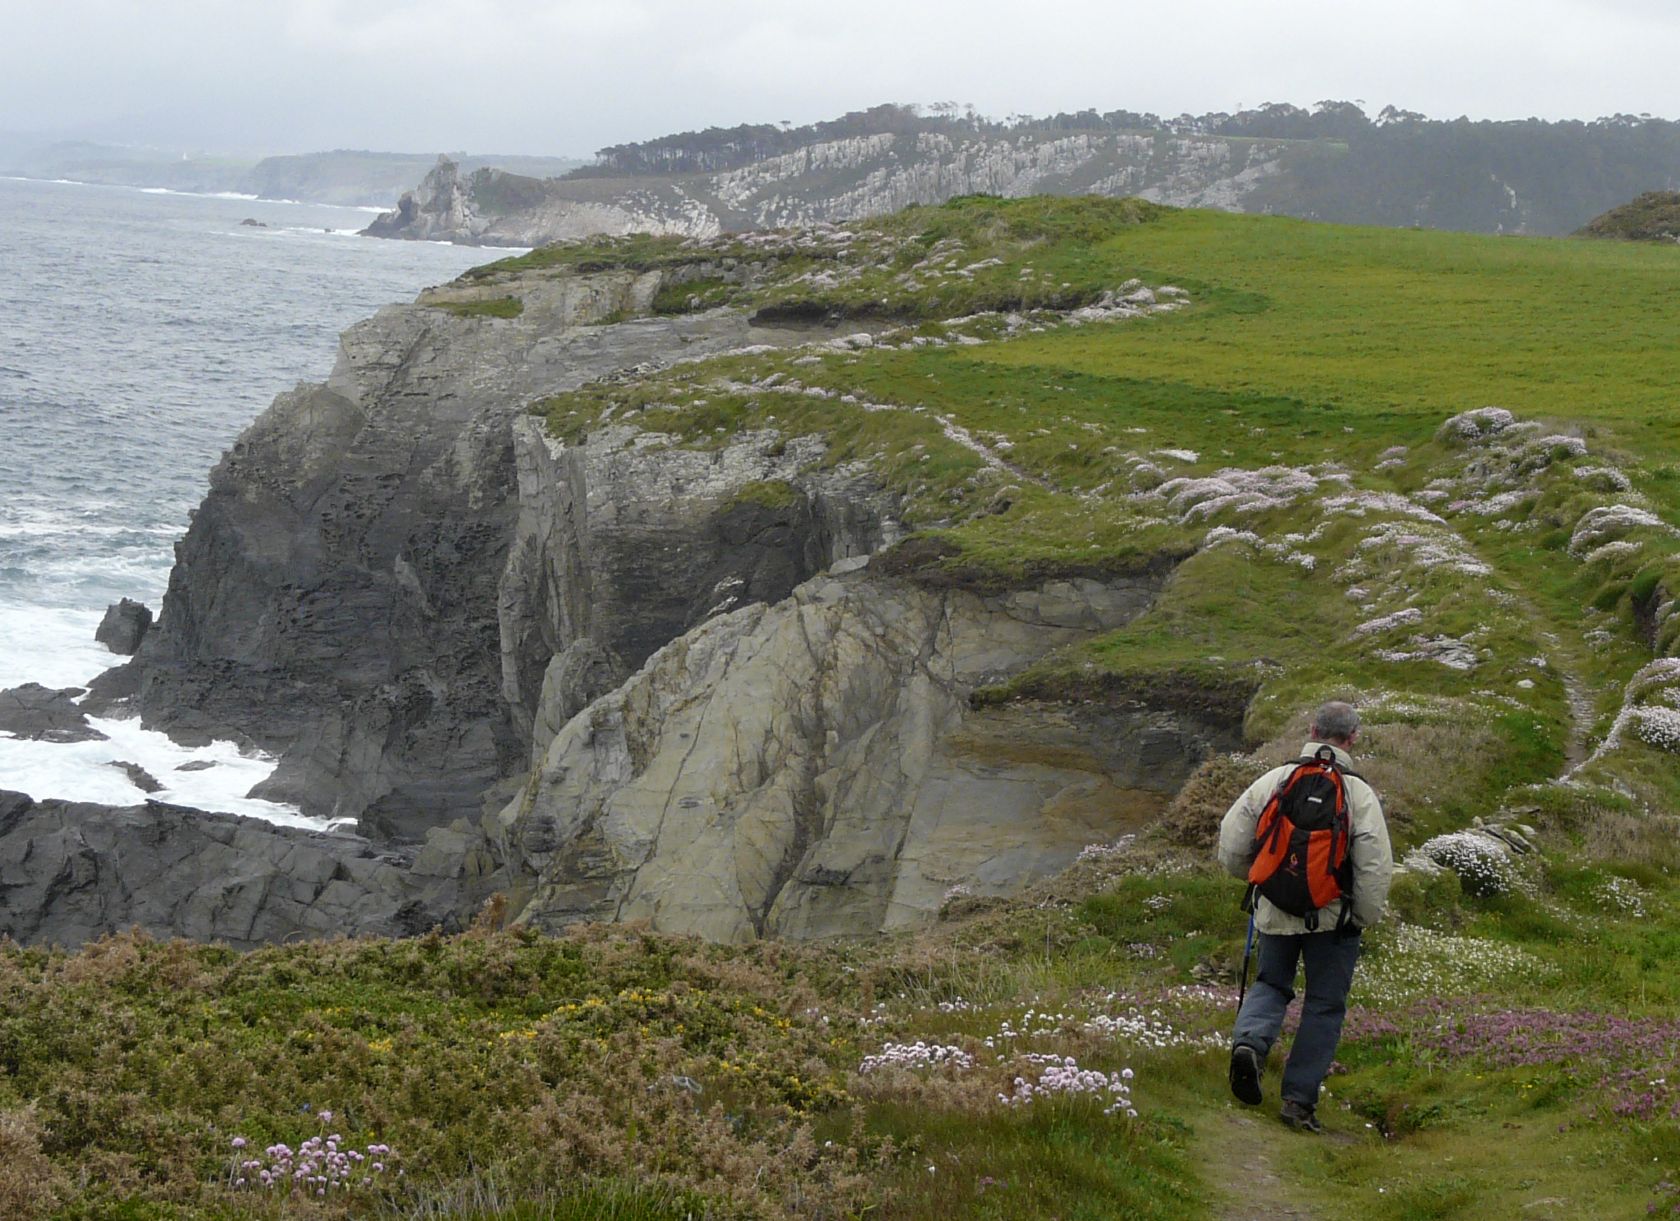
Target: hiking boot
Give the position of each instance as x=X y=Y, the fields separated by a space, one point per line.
x=1245 y=1075
x=1300 y=1117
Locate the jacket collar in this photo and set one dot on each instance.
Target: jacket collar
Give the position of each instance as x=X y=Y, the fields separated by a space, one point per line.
x=1342 y=757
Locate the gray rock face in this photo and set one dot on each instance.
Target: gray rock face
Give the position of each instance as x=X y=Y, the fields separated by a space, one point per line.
x=72 y=872
x=427 y=606
x=580 y=674
x=627 y=544
x=124 y=626
x=34 y=712
x=342 y=597
x=813 y=768
x=439 y=206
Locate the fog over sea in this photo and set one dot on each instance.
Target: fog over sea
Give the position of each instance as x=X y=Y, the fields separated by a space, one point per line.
x=140 y=331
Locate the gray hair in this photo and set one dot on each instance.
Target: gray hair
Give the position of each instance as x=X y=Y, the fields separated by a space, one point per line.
x=1336 y=720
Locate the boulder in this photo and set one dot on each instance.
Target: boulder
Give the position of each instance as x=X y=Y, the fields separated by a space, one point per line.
x=124 y=626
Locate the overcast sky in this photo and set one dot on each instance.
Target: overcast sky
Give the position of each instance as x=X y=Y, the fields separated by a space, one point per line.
x=569 y=76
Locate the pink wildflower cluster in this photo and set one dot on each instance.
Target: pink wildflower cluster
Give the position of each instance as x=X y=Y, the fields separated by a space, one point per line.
x=317 y=1166
x=1667 y=1202
x=1635 y=1094
x=1062 y=1075
x=1633 y=1063
x=917 y=1055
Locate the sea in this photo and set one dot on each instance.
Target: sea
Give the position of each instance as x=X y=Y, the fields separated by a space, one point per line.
x=140 y=331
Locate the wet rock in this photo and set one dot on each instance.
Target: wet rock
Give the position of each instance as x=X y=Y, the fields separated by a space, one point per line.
x=138 y=776
x=124 y=626
x=42 y=715
x=197 y=765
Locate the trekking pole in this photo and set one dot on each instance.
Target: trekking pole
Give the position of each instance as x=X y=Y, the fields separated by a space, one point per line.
x=1248 y=951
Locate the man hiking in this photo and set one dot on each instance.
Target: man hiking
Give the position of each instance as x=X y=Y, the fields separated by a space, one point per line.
x=1310 y=839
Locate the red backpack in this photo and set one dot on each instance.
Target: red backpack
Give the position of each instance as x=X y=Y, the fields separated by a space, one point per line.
x=1301 y=858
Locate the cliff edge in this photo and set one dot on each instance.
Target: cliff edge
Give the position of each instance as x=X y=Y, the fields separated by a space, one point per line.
x=620 y=665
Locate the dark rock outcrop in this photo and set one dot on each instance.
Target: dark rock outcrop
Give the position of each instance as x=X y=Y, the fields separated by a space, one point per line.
x=72 y=872
x=124 y=626
x=39 y=714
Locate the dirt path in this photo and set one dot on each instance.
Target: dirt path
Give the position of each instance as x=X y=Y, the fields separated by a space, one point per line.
x=1581 y=716
x=1245 y=1144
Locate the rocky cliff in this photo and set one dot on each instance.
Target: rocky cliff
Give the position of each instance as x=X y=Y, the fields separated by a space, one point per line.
x=519 y=581
x=1332 y=163
x=813 y=767
x=337 y=598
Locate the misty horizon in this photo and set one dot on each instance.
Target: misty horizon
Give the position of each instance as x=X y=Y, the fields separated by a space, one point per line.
x=97 y=137
x=565 y=78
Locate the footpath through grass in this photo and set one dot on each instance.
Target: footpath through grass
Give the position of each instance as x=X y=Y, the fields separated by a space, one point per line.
x=1300 y=440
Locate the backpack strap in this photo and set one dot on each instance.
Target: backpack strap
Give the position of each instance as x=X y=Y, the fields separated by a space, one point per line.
x=1327 y=754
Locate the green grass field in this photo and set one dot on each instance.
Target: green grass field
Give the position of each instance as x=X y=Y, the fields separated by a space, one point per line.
x=1278 y=441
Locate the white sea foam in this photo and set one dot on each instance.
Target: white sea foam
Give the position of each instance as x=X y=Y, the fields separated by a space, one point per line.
x=81 y=771
x=51 y=646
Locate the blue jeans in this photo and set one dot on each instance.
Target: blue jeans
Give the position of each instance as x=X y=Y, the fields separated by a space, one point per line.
x=1330 y=959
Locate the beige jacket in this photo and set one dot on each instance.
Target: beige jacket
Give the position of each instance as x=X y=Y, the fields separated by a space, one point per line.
x=1373 y=859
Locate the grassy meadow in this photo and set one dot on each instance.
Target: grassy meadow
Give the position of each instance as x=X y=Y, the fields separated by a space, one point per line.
x=1301 y=437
